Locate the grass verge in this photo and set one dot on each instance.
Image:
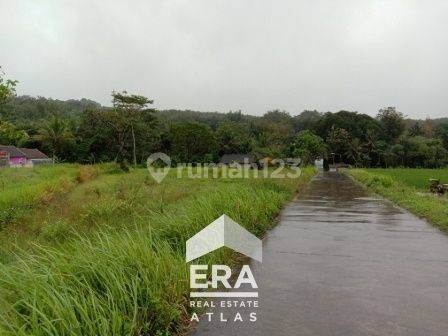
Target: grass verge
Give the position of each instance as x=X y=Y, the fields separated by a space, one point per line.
x=132 y=279
x=431 y=207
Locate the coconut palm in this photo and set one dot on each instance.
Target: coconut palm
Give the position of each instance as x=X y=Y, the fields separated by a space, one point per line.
x=354 y=150
x=55 y=134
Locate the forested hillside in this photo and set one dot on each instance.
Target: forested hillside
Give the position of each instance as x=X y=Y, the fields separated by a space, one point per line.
x=130 y=130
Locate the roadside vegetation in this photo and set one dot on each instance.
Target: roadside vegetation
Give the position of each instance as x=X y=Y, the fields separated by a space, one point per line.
x=106 y=256
x=418 y=178
x=409 y=188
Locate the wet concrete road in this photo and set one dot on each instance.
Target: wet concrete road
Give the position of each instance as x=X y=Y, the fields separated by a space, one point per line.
x=344 y=262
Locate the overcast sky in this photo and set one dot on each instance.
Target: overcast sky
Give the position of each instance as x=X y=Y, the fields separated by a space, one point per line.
x=214 y=55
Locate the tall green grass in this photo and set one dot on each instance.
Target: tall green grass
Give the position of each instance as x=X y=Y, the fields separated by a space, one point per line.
x=131 y=279
x=62 y=200
x=418 y=178
x=21 y=189
x=405 y=191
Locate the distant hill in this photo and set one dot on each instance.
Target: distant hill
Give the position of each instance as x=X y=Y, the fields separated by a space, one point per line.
x=30 y=109
x=440 y=120
x=435 y=122
x=27 y=108
x=212 y=119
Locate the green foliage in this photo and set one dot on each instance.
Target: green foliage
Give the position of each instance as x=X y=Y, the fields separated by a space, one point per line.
x=442 y=132
x=30 y=111
x=418 y=178
x=338 y=142
x=130 y=103
x=416 y=129
x=234 y=137
x=83 y=131
x=190 y=142
x=7 y=88
x=351 y=137
x=306 y=120
x=357 y=125
x=10 y=215
x=211 y=119
x=56 y=231
x=9 y=134
x=24 y=189
x=96 y=137
x=126 y=132
x=131 y=115
x=308 y=146
x=274 y=134
x=420 y=152
x=392 y=122
x=56 y=136
x=379 y=181
x=277 y=116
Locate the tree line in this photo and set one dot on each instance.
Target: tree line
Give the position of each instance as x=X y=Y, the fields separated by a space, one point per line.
x=131 y=129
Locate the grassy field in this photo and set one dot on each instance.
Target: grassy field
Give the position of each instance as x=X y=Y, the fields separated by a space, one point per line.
x=418 y=178
x=410 y=189
x=94 y=251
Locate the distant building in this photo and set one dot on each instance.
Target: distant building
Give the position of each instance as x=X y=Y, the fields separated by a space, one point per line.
x=35 y=156
x=319 y=164
x=4 y=158
x=14 y=157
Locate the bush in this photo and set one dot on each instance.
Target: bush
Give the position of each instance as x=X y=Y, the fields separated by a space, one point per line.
x=372 y=180
x=86 y=173
x=379 y=180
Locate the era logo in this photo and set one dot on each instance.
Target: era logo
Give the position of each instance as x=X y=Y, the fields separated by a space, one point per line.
x=220 y=275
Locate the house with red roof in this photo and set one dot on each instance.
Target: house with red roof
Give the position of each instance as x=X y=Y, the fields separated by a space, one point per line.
x=11 y=156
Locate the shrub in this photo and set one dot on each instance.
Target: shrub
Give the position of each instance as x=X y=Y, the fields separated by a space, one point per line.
x=380 y=180
x=86 y=173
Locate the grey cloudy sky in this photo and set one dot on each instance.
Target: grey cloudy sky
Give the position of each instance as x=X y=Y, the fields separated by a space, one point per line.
x=223 y=55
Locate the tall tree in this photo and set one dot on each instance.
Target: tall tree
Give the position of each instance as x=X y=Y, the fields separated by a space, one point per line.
x=356 y=124
x=278 y=116
x=7 y=87
x=306 y=120
x=96 y=136
x=233 y=137
x=7 y=93
x=308 y=146
x=416 y=129
x=338 y=142
x=275 y=134
x=442 y=133
x=192 y=142
x=131 y=109
x=56 y=135
x=354 y=151
x=392 y=122
x=10 y=135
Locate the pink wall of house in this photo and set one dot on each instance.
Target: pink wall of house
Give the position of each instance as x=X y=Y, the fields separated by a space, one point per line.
x=17 y=161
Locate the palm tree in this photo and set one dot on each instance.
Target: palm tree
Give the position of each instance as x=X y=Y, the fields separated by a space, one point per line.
x=354 y=150
x=55 y=134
